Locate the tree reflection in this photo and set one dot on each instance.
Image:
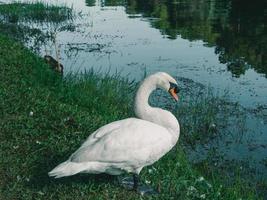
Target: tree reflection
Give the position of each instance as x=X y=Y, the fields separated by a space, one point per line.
x=90 y=2
x=236 y=28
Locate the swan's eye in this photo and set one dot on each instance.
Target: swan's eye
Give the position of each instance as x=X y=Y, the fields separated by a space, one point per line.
x=173 y=90
x=176 y=90
x=174 y=87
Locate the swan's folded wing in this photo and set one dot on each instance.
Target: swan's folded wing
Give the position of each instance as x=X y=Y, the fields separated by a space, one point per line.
x=134 y=140
x=99 y=133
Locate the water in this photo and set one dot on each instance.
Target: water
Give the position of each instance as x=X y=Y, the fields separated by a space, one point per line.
x=218 y=43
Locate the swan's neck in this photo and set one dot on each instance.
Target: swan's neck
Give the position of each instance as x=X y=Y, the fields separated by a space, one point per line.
x=142 y=108
x=156 y=115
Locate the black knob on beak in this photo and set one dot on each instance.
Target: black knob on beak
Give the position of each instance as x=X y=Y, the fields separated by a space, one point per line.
x=175 y=87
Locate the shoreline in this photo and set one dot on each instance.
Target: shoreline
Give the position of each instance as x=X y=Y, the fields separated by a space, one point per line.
x=46 y=117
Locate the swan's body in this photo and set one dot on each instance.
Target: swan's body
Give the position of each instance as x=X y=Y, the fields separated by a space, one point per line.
x=129 y=144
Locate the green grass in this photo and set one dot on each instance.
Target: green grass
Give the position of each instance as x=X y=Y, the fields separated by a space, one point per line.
x=18 y=20
x=44 y=118
x=24 y=34
x=35 y=12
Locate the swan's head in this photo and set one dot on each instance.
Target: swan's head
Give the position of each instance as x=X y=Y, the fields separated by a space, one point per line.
x=168 y=83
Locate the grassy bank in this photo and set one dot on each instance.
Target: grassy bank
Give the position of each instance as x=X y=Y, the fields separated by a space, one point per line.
x=44 y=118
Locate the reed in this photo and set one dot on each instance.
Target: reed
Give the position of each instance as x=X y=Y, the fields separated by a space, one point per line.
x=45 y=117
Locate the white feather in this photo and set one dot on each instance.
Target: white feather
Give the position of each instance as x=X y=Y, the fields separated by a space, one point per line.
x=129 y=144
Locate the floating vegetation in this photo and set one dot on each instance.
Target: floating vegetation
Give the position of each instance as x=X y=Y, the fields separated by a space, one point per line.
x=34 y=24
x=32 y=36
x=34 y=12
x=46 y=117
x=50 y=114
x=202 y=114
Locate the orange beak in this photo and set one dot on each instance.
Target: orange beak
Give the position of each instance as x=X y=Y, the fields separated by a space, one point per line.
x=173 y=94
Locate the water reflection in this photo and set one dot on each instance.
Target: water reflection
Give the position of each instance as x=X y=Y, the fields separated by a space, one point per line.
x=104 y=3
x=90 y=2
x=106 y=38
x=236 y=28
x=237 y=34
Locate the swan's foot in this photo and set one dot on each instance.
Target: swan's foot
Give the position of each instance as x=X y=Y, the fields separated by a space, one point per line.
x=132 y=183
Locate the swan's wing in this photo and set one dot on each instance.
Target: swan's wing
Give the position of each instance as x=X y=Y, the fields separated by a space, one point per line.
x=129 y=141
x=102 y=131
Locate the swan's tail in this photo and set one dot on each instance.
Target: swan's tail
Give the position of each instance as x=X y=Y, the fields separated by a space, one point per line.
x=68 y=168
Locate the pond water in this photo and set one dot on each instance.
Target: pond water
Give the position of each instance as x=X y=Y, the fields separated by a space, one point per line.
x=218 y=43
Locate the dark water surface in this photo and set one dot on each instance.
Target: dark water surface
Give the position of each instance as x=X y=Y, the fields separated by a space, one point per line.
x=221 y=43
x=217 y=43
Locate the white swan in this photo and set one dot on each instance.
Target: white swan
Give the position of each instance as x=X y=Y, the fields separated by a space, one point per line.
x=128 y=145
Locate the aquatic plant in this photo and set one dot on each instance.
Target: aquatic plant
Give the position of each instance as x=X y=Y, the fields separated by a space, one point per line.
x=43 y=118
x=203 y=115
x=35 y=23
x=35 y=12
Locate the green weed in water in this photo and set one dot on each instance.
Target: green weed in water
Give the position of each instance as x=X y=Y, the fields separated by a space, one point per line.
x=45 y=117
x=35 y=12
x=18 y=21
